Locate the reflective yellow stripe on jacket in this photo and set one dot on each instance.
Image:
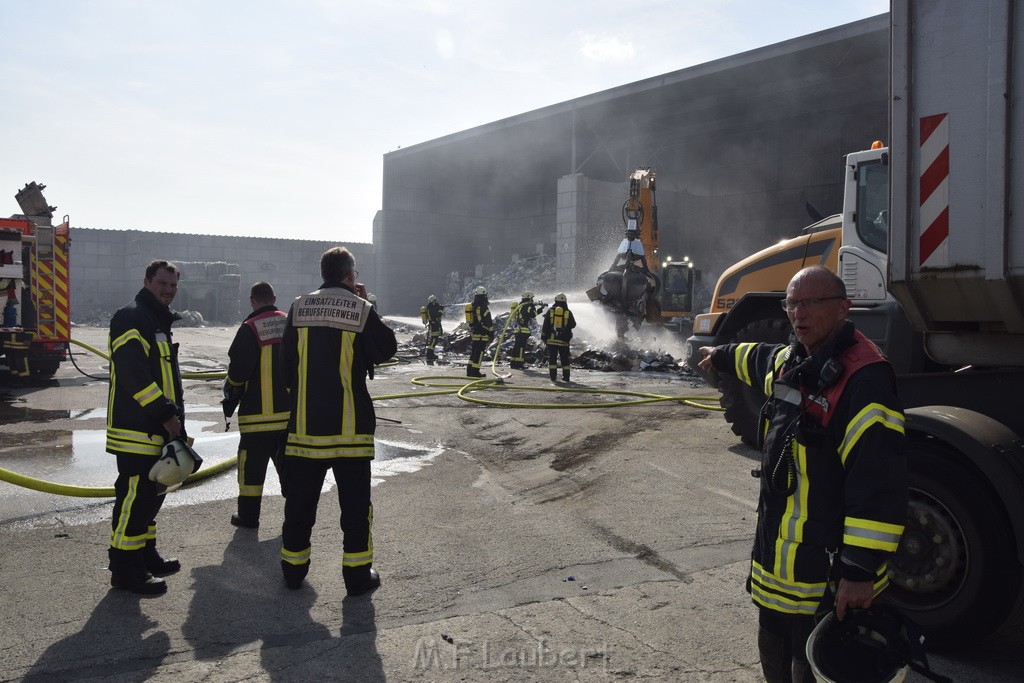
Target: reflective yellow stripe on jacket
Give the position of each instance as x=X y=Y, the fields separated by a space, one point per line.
x=344 y=444
x=873 y=413
x=131 y=441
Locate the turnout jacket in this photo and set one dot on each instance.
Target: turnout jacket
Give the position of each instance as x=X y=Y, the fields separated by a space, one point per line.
x=434 y=313
x=479 y=318
x=525 y=314
x=332 y=340
x=145 y=381
x=558 y=324
x=833 y=469
x=255 y=367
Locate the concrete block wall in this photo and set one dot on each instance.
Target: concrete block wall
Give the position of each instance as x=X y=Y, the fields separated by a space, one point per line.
x=108 y=266
x=588 y=228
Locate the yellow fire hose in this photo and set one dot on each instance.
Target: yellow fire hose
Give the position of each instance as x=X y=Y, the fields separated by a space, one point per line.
x=461 y=387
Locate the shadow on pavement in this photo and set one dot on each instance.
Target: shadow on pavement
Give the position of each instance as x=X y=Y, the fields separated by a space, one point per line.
x=243 y=603
x=117 y=621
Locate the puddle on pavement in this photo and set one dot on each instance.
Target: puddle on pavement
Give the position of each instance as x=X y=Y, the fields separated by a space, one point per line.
x=78 y=457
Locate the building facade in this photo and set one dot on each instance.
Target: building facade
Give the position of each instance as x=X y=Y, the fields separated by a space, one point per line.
x=745 y=149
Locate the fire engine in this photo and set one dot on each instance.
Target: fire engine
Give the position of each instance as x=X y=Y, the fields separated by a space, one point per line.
x=34 y=273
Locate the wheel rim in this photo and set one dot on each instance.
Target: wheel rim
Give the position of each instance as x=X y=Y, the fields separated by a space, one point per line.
x=932 y=560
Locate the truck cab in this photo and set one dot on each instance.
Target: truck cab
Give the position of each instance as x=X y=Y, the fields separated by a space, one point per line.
x=853 y=244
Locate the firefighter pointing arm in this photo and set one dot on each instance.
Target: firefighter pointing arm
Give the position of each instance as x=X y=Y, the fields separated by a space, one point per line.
x=833 y=493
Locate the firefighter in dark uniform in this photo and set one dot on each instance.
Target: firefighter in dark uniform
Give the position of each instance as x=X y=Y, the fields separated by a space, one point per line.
x=255 y=382
x=522 y=318
x=332 y=340
x=556 y=333
x=833 y=471
x=145 y=409
x=431 y=315
x=481 y=327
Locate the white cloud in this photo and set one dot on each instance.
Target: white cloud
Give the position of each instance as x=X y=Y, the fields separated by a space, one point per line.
x=606 y=48
x=445 y=43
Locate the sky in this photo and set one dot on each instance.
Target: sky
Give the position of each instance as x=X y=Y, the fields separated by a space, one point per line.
x=271 y=118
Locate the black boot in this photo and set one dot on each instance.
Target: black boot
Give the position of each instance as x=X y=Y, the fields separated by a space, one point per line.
x=294 y=574
x=360 y=580
x=248 y=515
x=156 y=565
x=554 y=375
x=565 y=375
x=128 y=572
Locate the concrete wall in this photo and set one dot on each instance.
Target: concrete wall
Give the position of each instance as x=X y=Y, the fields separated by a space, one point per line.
x=108 y=266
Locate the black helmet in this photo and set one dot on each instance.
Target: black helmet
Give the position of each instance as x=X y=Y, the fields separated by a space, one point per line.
x=877 y=644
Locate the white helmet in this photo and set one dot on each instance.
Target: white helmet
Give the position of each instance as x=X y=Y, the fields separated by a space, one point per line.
x=560 y=297
x=431 y=298
x=481 y=290
x=528 y=295
x=372 y=298
x=176 y=463
x=873 y=644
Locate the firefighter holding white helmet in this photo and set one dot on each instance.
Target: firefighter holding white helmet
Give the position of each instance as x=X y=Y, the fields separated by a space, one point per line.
x=146 y=410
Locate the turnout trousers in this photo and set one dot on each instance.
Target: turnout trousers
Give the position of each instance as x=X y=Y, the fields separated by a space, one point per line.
x=255 y=451
x=304 y=481
x=558 y=353
x=433 y=335
x=519 y=349
x=781 y=640
x=136 y=503
x=476 y=355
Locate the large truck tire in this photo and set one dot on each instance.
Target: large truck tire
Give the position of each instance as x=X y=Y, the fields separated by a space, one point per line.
x=956 y=571
x=741 y=403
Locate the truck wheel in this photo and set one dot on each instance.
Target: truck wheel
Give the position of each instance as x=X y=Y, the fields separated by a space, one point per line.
x=741 y=403
x=956 y=571
x=43 y=367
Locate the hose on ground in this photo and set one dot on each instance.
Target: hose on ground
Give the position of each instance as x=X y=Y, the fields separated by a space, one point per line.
x=462 y=387
x=100 y=491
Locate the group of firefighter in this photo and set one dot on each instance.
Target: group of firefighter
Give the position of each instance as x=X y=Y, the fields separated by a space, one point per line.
x=556 y=330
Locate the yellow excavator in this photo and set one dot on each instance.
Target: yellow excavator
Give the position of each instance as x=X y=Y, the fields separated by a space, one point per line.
x=638 y=286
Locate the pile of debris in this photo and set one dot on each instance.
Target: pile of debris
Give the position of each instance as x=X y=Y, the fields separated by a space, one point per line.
x=454 y=348
x=534 y=273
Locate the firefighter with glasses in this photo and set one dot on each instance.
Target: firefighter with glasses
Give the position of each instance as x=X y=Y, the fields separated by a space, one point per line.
x=833 y=492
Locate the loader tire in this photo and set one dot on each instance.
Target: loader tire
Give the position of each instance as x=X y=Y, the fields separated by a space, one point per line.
x=741 y=403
